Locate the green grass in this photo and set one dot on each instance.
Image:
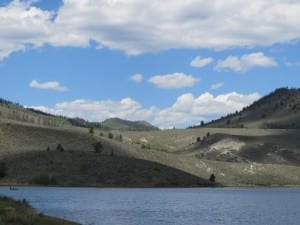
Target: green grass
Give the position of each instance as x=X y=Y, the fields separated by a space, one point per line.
x=20 y=213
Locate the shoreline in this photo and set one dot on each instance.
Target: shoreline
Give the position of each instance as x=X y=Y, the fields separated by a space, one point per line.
x=151 y=187
x=21 y=211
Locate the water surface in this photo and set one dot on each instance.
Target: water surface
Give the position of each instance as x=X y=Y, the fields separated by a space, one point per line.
x=176 y=206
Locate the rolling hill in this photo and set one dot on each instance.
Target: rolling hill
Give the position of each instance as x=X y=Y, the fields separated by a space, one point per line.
x=10 y=111
x=120 y=124
x=149 y=157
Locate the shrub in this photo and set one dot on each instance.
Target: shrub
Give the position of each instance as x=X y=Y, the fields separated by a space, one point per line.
x=208 y=134
x=25 y=202
x=98 y=147
x=59 y=147
x=212 y=178
x=110 y=136
x=44 y=179
x=3 y=169
x=101 y=134
x=145 y=146
x=91 y=130
x=198 y=139
x=2 y=211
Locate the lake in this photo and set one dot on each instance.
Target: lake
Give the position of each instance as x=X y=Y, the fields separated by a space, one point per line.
x=166 y=206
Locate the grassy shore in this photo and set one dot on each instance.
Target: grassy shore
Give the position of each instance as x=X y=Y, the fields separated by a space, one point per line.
x=21 y=213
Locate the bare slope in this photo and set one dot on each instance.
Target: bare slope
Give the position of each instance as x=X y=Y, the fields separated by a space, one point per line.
x=274 y=149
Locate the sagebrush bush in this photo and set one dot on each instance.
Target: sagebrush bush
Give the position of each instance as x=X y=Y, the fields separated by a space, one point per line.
x=60 y=148
x=97 y=146
x=3 y=169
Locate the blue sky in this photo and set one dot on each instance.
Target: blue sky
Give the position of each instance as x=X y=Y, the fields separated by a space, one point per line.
x=171 y=63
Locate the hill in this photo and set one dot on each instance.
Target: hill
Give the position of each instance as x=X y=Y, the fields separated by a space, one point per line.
x=120 y=124
x=187 y=157
x=30 y=153
x=10 y=111
x=278 y=110
x=142 y=158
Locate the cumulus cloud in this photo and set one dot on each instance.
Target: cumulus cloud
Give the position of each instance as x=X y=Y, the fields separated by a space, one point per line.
x=199 y=62
x=175 y=80
x=50 y=85
x=137 y=78
x=21 y=26
x=187 y=109
x=245 y=62
x=190 y=110
x=216 y=86
x=126 y=108
x=205 y=24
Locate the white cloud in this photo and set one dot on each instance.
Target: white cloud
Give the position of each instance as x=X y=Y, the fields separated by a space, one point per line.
x=216 y=86
x=163 y=25
x=126 y=108
x=187 y=110
x=198 y=61
x=245 y=62
x=137 y=78
x=21 y=26
x=50 y=85
x=175 y=80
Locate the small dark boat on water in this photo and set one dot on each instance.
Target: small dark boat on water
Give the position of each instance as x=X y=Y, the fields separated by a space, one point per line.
x=13 y=188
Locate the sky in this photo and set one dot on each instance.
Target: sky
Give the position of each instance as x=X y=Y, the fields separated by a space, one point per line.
x=172 y=63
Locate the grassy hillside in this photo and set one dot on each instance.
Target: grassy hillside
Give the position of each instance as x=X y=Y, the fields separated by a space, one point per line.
x=237 y=156
x=120 y=124
x=75 y=168
x=10 y=111
x=274 y=149
x=31 y=151
x=18 y=137
x=279 y=109
x=20 y=213
x=165 y=163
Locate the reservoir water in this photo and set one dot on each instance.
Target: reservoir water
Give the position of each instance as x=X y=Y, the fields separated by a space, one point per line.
x=164 y=206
